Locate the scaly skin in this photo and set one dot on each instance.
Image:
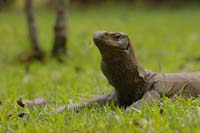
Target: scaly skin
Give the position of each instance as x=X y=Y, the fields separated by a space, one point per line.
x=132 y=83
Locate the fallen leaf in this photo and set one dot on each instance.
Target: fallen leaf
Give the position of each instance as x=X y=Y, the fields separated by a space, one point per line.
x=35 y=102
x=22 y=115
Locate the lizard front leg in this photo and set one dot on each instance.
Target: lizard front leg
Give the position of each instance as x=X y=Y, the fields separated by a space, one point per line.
x=149 y=97
x=101 y=100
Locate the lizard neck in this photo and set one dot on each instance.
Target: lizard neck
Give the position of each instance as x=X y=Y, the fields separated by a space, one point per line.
x=124 y=73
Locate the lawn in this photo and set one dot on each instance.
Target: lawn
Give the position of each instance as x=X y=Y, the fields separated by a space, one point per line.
x=165 y=40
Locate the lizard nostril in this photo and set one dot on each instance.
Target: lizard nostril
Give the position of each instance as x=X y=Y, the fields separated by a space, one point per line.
x=98 y=34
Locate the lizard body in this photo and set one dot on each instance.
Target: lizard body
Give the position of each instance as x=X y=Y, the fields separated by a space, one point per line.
x=132 y=83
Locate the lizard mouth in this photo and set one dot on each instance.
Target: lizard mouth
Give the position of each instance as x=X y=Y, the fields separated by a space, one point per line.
x=100 y=42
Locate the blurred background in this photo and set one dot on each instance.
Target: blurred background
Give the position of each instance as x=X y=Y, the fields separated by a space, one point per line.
x=47 y=46
x=158 y=3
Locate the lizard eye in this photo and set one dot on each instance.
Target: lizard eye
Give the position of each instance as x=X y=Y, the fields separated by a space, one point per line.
x=117 y=36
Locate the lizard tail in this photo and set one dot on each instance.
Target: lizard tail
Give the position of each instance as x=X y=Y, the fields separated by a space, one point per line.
x=69 y=107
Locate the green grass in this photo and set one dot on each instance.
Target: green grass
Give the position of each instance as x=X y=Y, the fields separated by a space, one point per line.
x=164 y=40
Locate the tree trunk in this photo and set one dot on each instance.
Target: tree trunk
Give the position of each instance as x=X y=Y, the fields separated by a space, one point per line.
x=60 y=29
x=37 y=52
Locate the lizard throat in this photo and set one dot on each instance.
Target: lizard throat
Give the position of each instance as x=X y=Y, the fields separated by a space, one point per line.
x=124 y=75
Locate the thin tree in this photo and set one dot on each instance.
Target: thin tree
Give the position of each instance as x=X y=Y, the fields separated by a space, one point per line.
x=37 y=52
x=60 y=29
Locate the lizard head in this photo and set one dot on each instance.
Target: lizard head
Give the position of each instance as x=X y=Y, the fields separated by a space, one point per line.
x=111 y=40
x=115 y=44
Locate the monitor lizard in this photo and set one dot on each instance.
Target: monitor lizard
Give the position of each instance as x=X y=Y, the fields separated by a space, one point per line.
x=132 y=84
